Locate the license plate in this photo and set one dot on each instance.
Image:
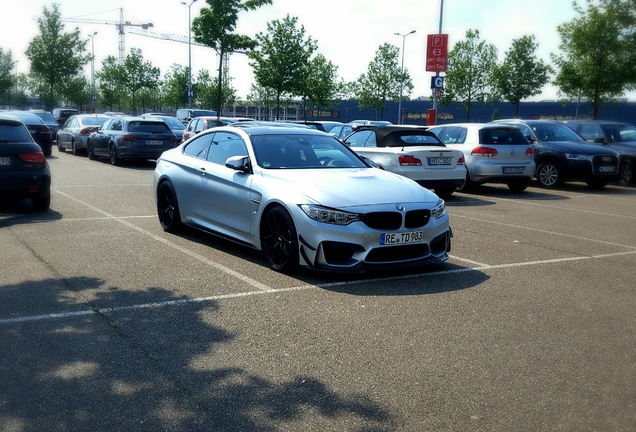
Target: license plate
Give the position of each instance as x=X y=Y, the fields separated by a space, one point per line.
x=31 y=131
x=606 y=169
x=399 y=238
x=5 y=161
x=154 y=143
x=439 y=161
x=514 y=170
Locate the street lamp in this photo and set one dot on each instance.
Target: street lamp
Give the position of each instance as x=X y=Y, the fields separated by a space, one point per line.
x=93 y=95
x=402 y=73
x=189 y=54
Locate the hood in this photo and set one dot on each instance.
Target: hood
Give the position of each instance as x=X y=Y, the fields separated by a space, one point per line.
x=350 y=187
x=578 y=147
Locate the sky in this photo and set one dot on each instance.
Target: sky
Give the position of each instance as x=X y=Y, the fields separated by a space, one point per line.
x=348 y=33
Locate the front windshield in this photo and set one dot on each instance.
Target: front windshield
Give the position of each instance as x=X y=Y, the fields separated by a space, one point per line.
x=555 y=132
x=173 y=123
x=622 y=132
x=303 y=151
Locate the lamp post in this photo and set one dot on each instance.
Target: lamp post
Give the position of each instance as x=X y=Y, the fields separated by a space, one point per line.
x=93 y=95
x=402 y=74
x=189 y=54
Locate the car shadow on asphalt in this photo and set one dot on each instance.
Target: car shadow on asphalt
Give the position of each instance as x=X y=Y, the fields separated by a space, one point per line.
x=158 y=360
x=20 y=211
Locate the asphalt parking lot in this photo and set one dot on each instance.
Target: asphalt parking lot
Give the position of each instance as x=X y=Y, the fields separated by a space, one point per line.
x=109 y=324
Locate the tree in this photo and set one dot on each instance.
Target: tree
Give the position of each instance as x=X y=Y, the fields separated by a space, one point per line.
x=206 y=90
x=470 y=72
x=319 y=85
x=7 y=79
x=280 y=60
x=521 y=74
x=110 y=87
x=136 y=75
x=598 y=52
x=215 y=27
x=263 y=97
x=55 y=56
x=175 y=81
x=382 y=80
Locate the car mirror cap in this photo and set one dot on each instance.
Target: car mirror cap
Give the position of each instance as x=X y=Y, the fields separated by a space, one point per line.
x=239 y=163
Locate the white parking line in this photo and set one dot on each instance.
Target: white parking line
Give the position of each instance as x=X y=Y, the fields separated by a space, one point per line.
x=182 y=302
x=240 y=276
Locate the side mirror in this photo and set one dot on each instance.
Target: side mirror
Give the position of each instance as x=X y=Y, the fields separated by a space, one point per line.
x=239 y=163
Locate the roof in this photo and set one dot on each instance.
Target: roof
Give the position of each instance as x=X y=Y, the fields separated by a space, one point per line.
x=389 y=136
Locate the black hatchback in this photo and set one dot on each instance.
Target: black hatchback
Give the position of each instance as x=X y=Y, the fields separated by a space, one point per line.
x=40 y=132
x=24 y=171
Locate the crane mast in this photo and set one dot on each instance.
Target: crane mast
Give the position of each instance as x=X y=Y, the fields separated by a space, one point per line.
x=121 y=25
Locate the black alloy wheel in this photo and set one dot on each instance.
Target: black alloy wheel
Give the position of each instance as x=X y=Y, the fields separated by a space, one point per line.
x=114 y=159
x=89 y=151
x=626 y=173
x=168 y=208
x=549 y=175
x=279 y=239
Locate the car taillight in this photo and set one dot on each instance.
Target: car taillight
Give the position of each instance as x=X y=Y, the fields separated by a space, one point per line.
x=484 y=151
x=86 y=131
x=461 y=160
x=128 y=138
x=408 y=160
x=45 y=130
x=530 y=151
x=175 y=140
x=35 y=157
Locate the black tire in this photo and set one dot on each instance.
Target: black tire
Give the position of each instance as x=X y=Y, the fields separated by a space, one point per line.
x=59 y=146
x=468 y=184
x=549 y=175
x=89 y=151
x=518 y=186
x=279 y=240
x=596 y=184
x=41 y=203
x=48 y=151
x=168 y=208
x=626 y=173
x=73 y=148
x=114 y=159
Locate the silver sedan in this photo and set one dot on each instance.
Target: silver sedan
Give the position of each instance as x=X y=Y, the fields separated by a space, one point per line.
x=302 y=197
x=76 y=130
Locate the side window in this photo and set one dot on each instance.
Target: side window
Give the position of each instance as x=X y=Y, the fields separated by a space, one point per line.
x=451 y=135
x=358 y=139
x=224 y=146
x=371 y=142
x=106 y=125
x=590 y=132
x=199 y=146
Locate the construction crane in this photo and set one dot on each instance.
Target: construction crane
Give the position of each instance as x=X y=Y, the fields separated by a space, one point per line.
x=183 y=39
x=121 y=24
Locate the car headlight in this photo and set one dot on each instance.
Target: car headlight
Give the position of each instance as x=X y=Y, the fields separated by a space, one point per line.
x=328 y=215
x=439 y=210
x=576 y=156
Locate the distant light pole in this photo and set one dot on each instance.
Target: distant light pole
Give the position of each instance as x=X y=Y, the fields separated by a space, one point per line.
x=402 y=74
x=189 y=54
x=93 y=95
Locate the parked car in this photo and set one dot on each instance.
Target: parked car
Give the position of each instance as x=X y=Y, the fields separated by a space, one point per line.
x=24 y=171
x=267 y=188
x=175 y=125
x=184 y=115
x=494 y=153
x=199 y=124
x=619 y=136
x=114 y=113
x=321 y=125
x=412 y=152
x=75 y=131
x=48 y=120
x=40 y=132
x=62 y=114
x=563 y=155
x=127 y=138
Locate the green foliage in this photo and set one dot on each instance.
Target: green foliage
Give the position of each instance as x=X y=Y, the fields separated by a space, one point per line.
x=598 y=48
x=206 y=91
x=319 y=85
x=281 y=58
x=174 y=87
x=215 y=28
x=55 y=57
x=470 y=72
x=521 y=75
x=382 y=80
x=7 y=79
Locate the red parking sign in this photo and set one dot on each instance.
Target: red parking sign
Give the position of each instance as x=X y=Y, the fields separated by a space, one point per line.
x=437 y=53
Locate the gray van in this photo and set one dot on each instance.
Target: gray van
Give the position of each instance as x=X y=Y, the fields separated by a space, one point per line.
x=184 y=115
